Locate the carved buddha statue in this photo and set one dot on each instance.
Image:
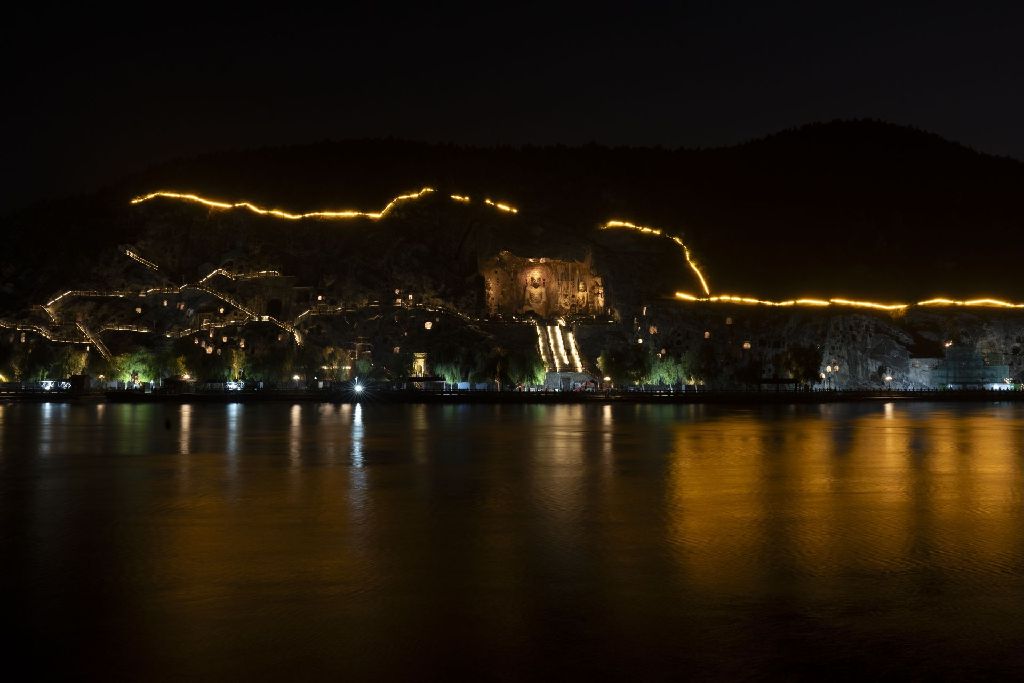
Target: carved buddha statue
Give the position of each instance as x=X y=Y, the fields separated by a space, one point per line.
x=535 y=296
x=581 y=296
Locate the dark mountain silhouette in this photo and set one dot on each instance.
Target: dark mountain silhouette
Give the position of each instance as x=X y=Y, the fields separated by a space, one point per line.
x=858 y=209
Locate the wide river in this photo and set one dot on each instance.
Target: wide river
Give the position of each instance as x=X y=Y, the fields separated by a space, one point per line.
x=408 y=542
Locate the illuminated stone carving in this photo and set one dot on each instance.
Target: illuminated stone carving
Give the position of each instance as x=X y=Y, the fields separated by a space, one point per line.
x=543 y=287
x=535 y=295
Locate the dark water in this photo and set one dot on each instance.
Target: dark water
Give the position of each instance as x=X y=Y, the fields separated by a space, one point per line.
x=398 y=542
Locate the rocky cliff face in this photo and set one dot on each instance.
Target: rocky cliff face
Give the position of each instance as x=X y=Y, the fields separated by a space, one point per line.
x=866 y=347
x=810 y=211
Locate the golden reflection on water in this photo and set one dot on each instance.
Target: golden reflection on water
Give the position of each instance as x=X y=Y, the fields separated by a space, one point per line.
x=883 y=491
x=295 y=435
x=382 y=535
x=357 y=436
x=185 y=430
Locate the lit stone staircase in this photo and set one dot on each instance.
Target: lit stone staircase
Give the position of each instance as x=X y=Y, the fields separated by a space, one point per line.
x=558 y=350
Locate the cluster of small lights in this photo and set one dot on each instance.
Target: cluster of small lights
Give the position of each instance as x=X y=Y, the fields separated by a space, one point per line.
x=89 y=337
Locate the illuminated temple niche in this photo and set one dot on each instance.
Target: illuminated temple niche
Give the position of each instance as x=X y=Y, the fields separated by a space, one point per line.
x=544 y=287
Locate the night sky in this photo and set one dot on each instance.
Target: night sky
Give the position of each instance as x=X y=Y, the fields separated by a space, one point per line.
x=89 y=102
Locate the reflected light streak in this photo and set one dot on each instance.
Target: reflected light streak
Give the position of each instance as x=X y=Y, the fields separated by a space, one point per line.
x=357 y=436
x=233 y=420
x=607 y=430
x=185 y=435
x=295 y=434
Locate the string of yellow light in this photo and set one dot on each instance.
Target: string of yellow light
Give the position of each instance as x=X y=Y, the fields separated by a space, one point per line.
x=852 y=303
x=330 y=215
x=501 y=206
x=659 y=233
x=139 y=259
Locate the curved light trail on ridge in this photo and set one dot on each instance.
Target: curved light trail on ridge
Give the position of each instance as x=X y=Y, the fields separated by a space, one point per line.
x=610 y=224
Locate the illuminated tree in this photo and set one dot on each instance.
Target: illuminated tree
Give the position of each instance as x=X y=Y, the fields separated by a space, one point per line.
x=451 y=372
x=334 y=358
x=525 y=367
x=238 y=362
x=135 y=366
x=70 y=361
x=666 y=370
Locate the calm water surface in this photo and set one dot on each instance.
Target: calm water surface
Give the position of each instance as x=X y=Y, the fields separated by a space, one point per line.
x=382 y=542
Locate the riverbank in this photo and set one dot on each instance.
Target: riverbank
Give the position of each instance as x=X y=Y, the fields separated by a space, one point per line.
x=514 y=397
